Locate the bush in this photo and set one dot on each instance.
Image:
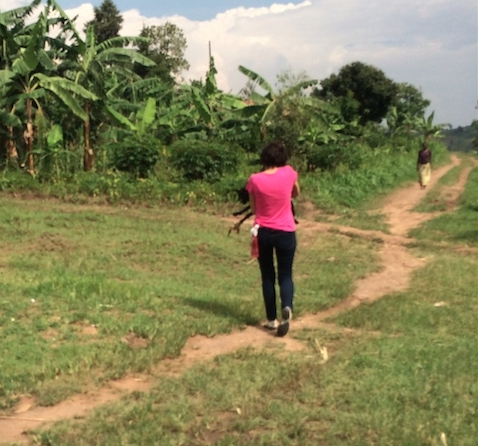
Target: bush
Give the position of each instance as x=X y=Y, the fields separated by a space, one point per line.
x=330 y=156
x=135 y=155
x=202 y=160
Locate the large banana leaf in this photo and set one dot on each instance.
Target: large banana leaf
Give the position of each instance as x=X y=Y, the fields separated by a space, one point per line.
x=125 y=54
x=68 y=24
x=6 y=76
x=120 y=42
x=55 y=136
x=63 y=88
x=146 y=116
x=120 y=118
x=258 y=99
x=66 y=84
x=45 y=60
x=68 y=100
x=8 y=119
x=200 y=105
x=232 y=102
x=300 y=86
x=18 y=15
x=258 y=79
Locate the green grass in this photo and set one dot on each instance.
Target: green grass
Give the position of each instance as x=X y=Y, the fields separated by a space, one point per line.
x=403 y=372
x=160 y=274
x=346 y=190
x=460 y=227
x=405 y=376
x=423 y=360
x=355 y=195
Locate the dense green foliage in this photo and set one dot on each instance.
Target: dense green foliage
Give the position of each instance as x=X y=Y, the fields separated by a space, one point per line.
x=136 y=155
x=364 y=91
x=165 y=46
x=200 y=160
x=98 y=104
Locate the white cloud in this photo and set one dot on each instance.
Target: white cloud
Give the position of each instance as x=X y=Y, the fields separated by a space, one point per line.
x=430 y=44
x=7 y=5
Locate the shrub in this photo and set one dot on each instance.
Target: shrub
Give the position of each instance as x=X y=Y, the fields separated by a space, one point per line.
x=330 y=156
x=135 y=155
x=202 y=160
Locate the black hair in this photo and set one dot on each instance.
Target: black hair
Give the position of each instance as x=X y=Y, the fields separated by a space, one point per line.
x=274 y=154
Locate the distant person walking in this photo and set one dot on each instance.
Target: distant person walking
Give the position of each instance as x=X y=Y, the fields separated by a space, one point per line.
x=424 y=165
x=270 y=193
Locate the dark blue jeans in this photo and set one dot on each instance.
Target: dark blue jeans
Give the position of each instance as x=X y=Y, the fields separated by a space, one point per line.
x=284 y=245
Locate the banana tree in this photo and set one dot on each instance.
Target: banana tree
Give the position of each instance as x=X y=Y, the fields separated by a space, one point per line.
x=210 y=104
x=24 y=84
x=90 y=68
x=10 y=121
x=262 y=106
x=31 y=73
x=142 y=122
x=12 y=32
x=431 y=130
x=414 y=125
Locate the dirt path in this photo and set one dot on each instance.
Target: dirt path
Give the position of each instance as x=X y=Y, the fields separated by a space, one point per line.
x=397 y=263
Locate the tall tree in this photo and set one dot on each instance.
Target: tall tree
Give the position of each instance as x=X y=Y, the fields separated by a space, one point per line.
x=407 y=110
x=165 y=46
x=409 y=101
x=360 y=88
x=107 y=22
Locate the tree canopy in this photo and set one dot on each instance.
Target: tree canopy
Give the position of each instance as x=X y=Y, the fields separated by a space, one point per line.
x=107 y=22
x=165 y=46
x=360 y=89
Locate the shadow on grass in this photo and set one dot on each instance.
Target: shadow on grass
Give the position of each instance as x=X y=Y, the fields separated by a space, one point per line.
x=230 y=310
x=470 y=237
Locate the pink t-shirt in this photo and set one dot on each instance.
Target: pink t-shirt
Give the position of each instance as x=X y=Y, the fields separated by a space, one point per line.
x=272 y=193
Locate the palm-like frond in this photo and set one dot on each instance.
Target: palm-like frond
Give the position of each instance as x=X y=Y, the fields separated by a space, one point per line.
x=9 y=119
x=200 y=105
x=120 y=118
x=257 y=79
x=146 y=116
x=124 y=55
x=68 y=24
x=6 y=76
x=298 y=87
x=64 y=84
x=120 y=42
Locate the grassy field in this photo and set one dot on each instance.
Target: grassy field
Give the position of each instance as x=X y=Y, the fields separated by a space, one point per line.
x=75 y=280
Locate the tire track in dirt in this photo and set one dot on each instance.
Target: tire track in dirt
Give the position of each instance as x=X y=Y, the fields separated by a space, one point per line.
x=397 y=263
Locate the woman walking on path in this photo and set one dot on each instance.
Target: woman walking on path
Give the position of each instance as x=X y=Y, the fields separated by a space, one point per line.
x=270 y=193
x=424 y=165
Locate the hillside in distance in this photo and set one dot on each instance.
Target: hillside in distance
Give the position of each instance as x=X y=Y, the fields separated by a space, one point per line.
x=461 y=139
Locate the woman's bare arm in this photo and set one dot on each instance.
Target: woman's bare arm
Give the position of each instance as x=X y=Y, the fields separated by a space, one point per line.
x=295 y=189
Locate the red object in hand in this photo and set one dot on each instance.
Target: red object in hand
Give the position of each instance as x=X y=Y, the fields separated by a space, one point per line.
x=254 y=247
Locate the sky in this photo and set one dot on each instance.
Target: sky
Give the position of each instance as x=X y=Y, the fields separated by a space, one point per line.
x=431 y=44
